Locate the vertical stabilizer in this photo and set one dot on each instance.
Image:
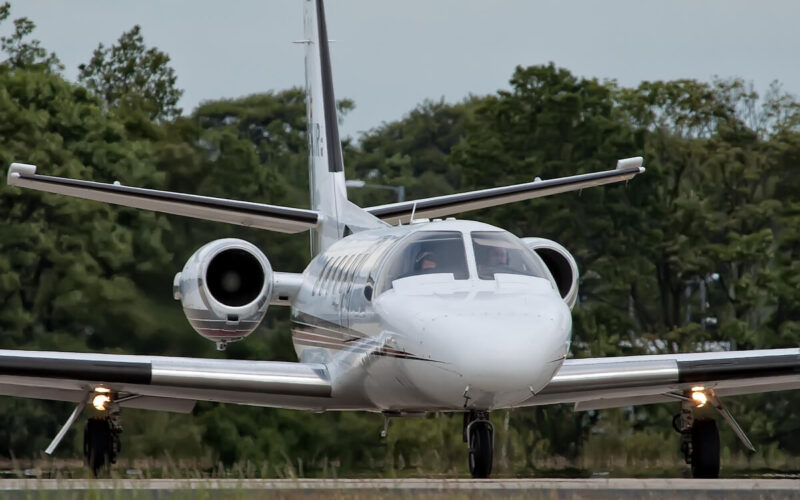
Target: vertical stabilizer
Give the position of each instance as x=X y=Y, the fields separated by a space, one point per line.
x=326 y=168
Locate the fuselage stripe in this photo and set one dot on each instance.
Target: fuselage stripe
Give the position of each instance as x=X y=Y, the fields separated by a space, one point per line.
x=358 y=348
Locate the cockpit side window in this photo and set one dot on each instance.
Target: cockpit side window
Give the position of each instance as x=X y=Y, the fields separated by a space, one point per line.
x=427 y=252
x=501 y=252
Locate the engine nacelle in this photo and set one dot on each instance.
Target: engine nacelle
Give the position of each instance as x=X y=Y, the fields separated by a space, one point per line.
x=560 y=263
x=225 y=289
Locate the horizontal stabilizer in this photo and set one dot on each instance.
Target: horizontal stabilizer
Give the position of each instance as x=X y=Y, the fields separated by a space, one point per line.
x=242 y=213
x=441 y=206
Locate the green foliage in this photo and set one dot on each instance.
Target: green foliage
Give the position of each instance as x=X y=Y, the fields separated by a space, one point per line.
x=128 y=76
x=710 y=231
x=24 y=53
x=412 y=152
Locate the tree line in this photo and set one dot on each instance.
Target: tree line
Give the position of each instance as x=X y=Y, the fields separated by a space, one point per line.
x=698 y=253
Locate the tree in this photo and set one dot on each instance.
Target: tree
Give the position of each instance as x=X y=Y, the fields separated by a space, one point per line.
x=62 y=260
x=23 y=53
x=128 y=75
x=412 y=152
x=718 y=198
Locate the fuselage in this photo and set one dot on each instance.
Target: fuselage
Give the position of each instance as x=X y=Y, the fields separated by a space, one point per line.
x=441 y=315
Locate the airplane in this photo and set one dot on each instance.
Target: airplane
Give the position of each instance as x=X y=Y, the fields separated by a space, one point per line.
x=402 y=310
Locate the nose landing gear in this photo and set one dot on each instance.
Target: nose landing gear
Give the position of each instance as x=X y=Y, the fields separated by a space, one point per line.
x=479 y=436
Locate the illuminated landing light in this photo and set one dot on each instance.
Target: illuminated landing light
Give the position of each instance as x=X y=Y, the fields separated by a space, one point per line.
x=101 y=390
x=699 y=397
x=101 y=401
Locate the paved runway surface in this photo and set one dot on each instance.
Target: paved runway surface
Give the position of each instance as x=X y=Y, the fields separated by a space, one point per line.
x=429 y=488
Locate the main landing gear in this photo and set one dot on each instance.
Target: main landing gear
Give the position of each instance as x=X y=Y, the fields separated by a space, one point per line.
x=699 y=442
x=700 y=434
x=479 y=436
x=101 y=443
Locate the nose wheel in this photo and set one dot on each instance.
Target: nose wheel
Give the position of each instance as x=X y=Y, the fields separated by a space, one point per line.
x=479 y=435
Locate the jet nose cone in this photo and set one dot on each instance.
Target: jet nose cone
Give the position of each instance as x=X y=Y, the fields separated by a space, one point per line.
x=513 y=349
x=488 y=345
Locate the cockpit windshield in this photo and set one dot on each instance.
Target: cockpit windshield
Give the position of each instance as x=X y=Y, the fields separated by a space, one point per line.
x=427 y=252
x=500 y=252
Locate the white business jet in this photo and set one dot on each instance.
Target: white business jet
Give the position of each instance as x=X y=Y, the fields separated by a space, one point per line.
x=398 y=312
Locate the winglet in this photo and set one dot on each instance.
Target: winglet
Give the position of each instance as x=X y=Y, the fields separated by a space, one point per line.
x=17 y=170
x=635 y=162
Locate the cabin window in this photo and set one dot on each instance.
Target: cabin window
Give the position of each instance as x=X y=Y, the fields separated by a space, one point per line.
x=499 y=252
x=427 y=252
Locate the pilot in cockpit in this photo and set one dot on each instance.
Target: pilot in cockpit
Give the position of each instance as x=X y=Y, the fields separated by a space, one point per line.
x=426 y=262
x=497 y=256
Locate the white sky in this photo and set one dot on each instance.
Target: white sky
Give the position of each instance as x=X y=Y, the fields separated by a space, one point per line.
x=389 y=56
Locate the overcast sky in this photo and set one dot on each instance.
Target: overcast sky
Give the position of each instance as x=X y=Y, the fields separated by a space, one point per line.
x=391 y=55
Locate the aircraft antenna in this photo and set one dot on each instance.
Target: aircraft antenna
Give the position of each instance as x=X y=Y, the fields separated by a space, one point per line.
x=413 y=210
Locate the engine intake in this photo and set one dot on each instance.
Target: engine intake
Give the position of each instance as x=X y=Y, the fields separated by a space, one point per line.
x=225 y=288
x=235 y=277
x=560 y=263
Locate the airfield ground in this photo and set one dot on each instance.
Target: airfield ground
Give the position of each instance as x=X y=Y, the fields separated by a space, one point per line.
x=334 y=489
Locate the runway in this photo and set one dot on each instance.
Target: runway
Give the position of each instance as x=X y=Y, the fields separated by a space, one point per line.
x=426 y=488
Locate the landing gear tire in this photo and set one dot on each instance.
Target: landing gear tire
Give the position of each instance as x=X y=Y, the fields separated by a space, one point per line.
x=481 y=441
x=100 y=444
x=705 y=449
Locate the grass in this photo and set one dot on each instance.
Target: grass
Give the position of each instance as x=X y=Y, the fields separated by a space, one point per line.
x=666 y=466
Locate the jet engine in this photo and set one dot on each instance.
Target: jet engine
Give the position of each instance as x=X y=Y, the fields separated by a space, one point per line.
x=225 y=289
x=561 y=265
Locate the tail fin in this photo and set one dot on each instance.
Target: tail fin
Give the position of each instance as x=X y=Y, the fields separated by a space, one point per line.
x=326 y=168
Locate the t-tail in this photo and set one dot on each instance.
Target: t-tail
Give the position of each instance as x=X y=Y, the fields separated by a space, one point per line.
x=331 y=216
x=326 y=167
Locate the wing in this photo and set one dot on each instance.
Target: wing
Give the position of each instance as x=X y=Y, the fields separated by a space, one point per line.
x=242 y=213
x=441 y=206
x=167 y=383
x=596 y=383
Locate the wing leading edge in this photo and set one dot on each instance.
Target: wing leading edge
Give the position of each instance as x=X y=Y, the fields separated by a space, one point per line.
x=242 y=213
x=167 y=380
x=295 y=220
x=441 y=206
x=596 y=383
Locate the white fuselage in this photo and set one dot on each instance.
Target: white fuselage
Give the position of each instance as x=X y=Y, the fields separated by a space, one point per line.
x=433 y=340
